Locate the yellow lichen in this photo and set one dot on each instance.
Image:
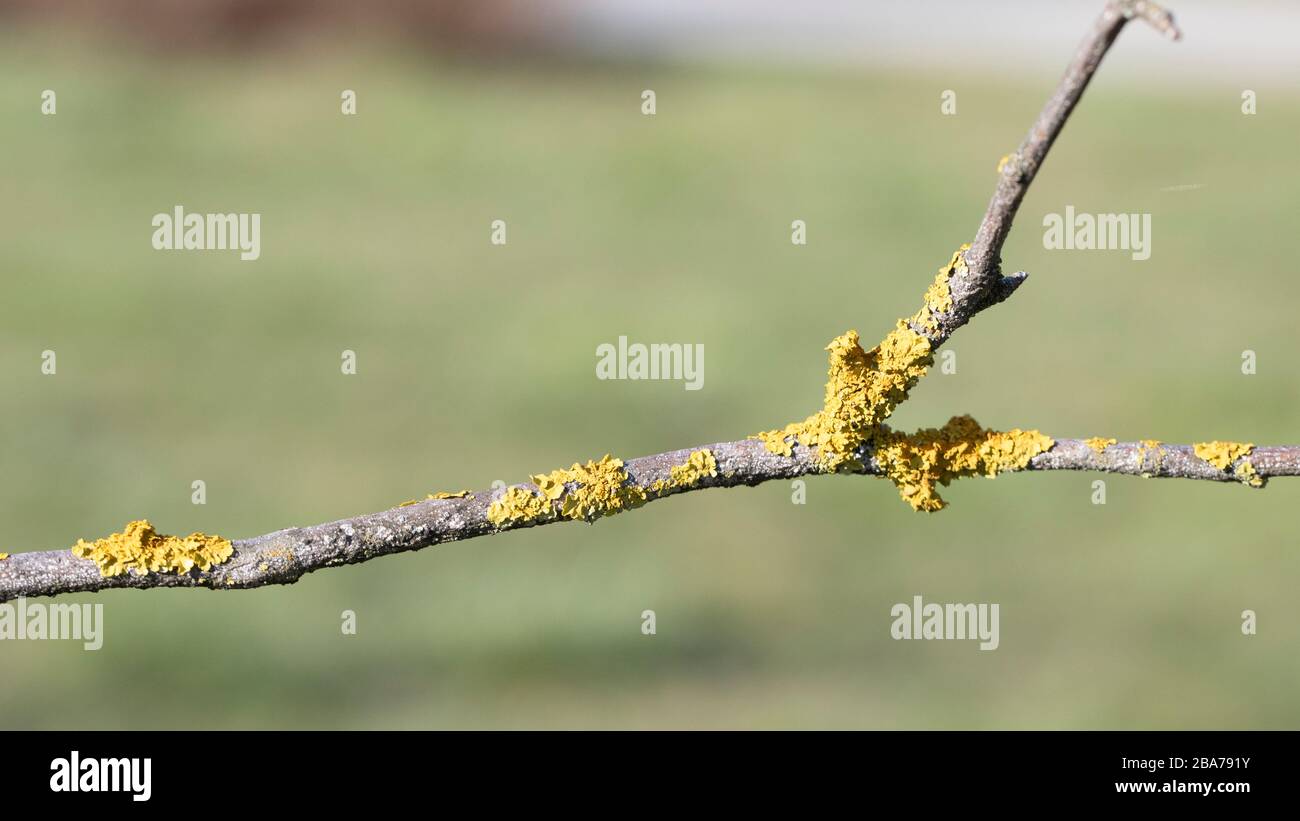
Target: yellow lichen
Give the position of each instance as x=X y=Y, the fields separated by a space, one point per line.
x=777 y=441
x=598 y=488
x=1148 y=447
x=1099 y=444
x=1246 y=473
x=864 y=387
x=917 y=463
x=1222 y=454
x=1002 y=163
x=460 y=494
x=516 y=505
x=938 y=299
x=862 y=390
x=698 y=465
x=141 y=549
x=3 y=556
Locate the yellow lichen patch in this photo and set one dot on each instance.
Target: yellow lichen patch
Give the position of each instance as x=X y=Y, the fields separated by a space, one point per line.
x=1148 y=447
x=439 y=495
x=1002 y=163
x=862 y=390
x=918 y=463
x=602 y=489
x=1099 y=444
x=3 y=556
x=1246 y=473
x=1222 y=454
x=938 y=299
x=142 y=549
x=598 y=488
x=699 y=464
x=517 y=505
x=778 y=441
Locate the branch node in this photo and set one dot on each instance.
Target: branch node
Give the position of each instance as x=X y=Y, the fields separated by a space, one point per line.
x=1156 y=16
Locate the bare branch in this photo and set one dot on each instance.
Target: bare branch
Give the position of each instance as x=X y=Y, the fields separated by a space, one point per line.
x=1018 y=170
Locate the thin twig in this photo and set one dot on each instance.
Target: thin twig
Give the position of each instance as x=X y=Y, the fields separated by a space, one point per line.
x=1017 y=170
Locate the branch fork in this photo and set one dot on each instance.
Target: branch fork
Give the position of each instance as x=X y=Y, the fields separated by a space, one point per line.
x=972 y=282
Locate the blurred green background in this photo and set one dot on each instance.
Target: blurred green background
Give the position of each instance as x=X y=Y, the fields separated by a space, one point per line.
x=476 y=363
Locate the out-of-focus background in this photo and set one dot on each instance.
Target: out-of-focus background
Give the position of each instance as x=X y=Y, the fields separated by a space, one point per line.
x=476 y=362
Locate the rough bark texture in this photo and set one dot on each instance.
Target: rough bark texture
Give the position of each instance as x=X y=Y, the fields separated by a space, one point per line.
x=285 y=556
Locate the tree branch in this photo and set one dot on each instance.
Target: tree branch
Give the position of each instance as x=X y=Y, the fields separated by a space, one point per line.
x=1017 y=170
x=285 y=556
x=968 y=285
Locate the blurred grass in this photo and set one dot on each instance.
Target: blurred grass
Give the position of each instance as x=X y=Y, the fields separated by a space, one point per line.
x=476 y=363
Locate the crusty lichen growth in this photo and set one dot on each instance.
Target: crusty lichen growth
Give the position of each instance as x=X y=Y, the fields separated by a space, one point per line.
x=698 y=466
x=918 y=463
x=862 y=390
x=598 y=488
x=1223 y=454
x=442 y=494
x=864 y=387
x=1147 y=448
x=3 y=556
x=1099 y=444
x=938 y=299
x=518 y=505
x=142 y=549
